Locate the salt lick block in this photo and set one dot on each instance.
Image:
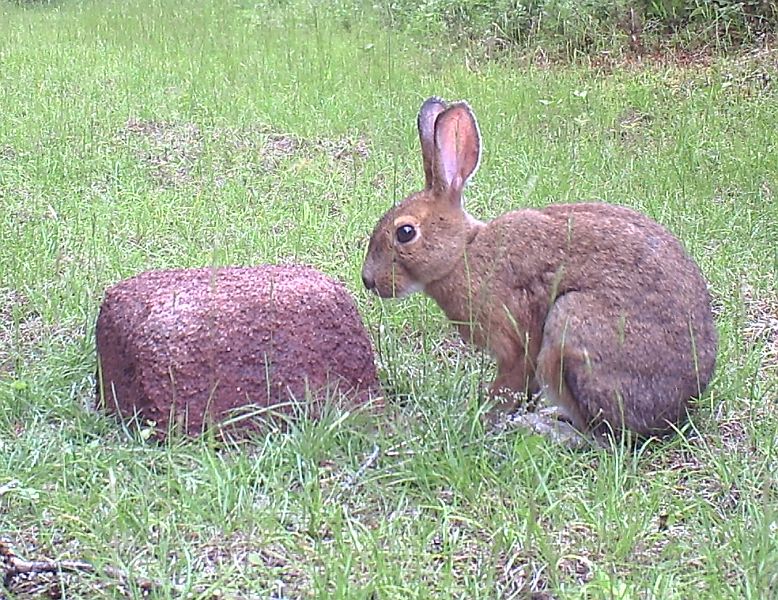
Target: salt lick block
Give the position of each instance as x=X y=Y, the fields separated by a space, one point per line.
x=194 y=345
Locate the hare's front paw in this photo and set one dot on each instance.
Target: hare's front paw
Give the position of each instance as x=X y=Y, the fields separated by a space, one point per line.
x=547 y=425
x=504 y=403
x=497 y=416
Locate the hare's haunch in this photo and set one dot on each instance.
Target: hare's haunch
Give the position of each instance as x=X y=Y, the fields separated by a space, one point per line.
x=595 y=305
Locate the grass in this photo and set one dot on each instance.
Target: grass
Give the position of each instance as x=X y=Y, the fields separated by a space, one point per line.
x=557 y=30
x=138 y=135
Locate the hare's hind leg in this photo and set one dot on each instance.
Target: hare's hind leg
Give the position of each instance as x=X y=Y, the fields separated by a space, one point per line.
x=550 y=374
x=560 y=351
x=586 y=367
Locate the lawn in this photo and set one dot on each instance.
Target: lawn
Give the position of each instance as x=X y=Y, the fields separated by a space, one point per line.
x=143 y=134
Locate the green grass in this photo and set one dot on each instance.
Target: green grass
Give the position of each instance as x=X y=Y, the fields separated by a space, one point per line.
x=149 y=134
x=592 y=29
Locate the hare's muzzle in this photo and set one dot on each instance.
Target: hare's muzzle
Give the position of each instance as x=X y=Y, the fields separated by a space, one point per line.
x=368 y=281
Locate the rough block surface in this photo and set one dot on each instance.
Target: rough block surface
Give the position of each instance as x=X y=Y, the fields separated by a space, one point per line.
x=193 y=345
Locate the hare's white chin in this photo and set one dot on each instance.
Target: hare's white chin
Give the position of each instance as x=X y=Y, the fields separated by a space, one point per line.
x=397 y=292
x=411 y=289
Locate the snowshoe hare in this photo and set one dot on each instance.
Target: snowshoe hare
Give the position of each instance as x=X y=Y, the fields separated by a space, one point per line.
x=594 y=305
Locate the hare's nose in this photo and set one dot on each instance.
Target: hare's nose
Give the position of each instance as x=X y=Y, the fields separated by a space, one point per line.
x=368 y=281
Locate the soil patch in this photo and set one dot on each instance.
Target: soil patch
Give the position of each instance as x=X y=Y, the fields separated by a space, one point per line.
x=761 y=326
x=19 y=328
x=178 y=154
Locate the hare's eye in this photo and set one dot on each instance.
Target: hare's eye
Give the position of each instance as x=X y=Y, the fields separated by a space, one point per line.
x=405 y=234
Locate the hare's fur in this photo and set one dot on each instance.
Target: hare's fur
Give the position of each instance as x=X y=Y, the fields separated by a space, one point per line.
x=595 y=305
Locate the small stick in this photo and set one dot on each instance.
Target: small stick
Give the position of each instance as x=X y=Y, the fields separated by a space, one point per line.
x=14 y=565
x=350 y=481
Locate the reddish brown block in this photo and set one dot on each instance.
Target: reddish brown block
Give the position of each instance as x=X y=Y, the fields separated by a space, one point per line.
x=194 y=345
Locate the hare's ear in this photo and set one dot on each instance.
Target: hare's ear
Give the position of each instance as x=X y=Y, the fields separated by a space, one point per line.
x=428 y=112
x=457 y=149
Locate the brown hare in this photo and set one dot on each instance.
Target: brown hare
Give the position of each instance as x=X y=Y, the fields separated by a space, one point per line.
x=594 y=305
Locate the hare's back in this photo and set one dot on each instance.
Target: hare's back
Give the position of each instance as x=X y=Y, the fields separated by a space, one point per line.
x=617 y=248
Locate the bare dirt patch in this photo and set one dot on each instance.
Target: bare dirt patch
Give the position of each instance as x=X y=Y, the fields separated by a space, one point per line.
x=24 y=331
x=761 y=327
x=636 y=57
x=7 y=153
x=250 y=558
x=179 y=154
x=19 y=327
x=28 y=573
x=170 y=150
x=632 y=126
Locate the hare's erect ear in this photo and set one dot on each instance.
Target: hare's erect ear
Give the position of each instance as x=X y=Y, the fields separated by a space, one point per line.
x=428 y=112
x=457 y=149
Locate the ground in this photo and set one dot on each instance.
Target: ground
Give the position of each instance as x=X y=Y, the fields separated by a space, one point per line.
x=192 y=133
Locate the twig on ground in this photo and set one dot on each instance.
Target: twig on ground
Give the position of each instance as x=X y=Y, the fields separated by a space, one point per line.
x=8 y=487
x=352 y=480
x=13 y=565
